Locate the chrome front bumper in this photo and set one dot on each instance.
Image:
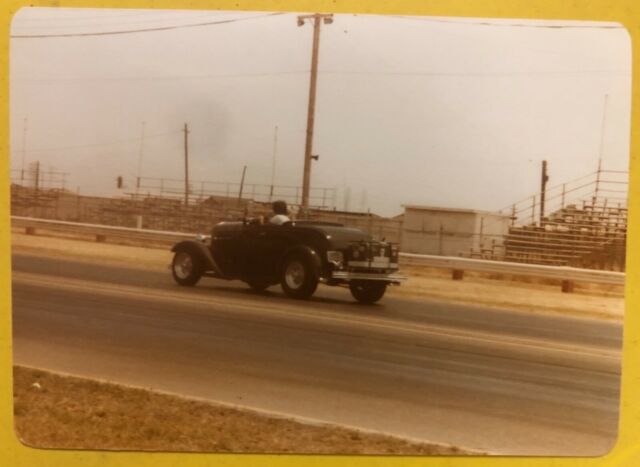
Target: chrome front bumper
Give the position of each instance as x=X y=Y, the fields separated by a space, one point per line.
x=393 y=277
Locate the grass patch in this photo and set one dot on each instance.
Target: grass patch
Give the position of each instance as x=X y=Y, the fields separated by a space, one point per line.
x=55 y=411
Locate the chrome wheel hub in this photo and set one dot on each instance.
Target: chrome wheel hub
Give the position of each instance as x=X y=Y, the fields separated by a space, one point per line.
x=183 y=265
x=294 y=275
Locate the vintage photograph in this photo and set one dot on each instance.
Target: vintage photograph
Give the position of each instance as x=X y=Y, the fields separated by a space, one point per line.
x=279 y=232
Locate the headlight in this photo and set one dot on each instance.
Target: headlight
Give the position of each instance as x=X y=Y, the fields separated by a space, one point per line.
x=335 y=257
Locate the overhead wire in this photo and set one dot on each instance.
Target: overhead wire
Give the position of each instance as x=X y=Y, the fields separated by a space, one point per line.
x=505 y=24
x=110 y=143
x=320 y=72
x=104 y=14
x=466 y=73
x=142 y=30
x=118 y=23
x=158 y=77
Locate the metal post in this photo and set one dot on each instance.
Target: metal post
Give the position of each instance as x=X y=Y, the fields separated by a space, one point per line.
x=24 y=150
x=244 y=171
x=186 y=164
x=543 y=189
x=308 y=148
x=602 y=130
x=595 y=194
x=37 y=179
x=533 y=210
x=273 y=162
x=563 y=193
x=140 y=154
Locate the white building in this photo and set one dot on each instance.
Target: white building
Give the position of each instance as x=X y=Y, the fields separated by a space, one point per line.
x=452 y=232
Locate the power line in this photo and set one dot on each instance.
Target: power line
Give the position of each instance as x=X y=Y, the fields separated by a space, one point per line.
x=104 y=14
x=101 y=144
x=321 y=72
x=134 y=31
x=161 y=78
x=469 y=73
x=507 y=25
x=118 y=23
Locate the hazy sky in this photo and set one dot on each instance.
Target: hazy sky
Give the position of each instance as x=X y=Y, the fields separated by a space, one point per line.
x=436 y=111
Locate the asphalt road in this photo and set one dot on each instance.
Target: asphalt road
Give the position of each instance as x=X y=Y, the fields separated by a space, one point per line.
x=499 y=381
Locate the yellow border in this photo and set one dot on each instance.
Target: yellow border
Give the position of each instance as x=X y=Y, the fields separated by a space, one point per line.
x=627 y=449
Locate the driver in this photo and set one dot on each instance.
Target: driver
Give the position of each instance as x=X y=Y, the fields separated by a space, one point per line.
x=280 y=213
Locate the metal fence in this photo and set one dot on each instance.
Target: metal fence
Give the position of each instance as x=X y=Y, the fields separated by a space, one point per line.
x=580 y=223
x=171 y=214
x=584 y=222
x=199 y=190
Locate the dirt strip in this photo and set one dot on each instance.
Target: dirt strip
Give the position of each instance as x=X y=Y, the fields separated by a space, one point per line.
x=53 y=410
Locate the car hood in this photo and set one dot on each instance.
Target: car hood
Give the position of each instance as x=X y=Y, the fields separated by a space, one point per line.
x=340 y=237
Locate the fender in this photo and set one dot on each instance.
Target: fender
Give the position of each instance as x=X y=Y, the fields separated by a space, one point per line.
x=304 y=251
x=199 y=249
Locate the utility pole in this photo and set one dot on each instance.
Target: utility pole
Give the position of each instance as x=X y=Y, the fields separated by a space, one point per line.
x=318 y=19
x=347 y=198
x=140 y=154
x=273 y=163
x=602 y=130
x=244 y=171
x=543 y=189
x=24 y=149
x=37 y=177
x=186 y=164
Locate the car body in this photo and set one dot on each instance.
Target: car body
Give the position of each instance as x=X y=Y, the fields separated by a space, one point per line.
x=298 y=255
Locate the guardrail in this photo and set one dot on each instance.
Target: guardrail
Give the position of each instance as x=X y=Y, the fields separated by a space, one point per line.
x=567 y=275
x=101 y=232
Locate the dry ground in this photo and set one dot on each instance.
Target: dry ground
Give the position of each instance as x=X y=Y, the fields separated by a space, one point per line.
x=58 y=411
x=528 y=295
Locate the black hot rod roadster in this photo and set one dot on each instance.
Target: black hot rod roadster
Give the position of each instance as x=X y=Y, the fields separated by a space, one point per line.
x=298 y=255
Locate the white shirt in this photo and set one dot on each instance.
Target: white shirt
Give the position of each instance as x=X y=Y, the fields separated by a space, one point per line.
x=279 y=219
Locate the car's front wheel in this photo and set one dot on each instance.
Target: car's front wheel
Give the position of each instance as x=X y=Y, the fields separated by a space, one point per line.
x=300 y=276
x=186 y=268
x=367 y=291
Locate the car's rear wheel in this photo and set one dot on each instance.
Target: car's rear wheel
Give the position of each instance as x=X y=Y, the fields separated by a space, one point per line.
x=367 y=291
x=186 y=268
x=300 y=276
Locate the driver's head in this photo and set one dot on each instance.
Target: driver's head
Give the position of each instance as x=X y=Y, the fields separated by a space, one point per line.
x=279 y=207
